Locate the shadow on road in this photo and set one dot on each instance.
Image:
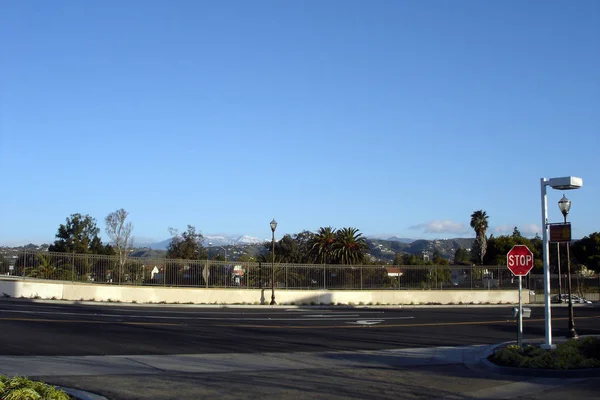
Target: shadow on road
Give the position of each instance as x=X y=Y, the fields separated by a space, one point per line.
x=346 y=383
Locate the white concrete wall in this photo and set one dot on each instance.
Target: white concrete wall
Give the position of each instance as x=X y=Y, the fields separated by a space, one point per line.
x=150 y=294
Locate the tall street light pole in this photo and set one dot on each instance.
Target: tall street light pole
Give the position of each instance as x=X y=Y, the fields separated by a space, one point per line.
x=563 y=183
x=225 y=252
x=565 y=205
x=273 y=227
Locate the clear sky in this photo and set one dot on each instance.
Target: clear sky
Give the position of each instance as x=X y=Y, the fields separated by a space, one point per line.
x=394 y=117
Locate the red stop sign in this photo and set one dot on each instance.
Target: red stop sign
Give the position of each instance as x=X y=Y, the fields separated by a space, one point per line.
x=519 y=260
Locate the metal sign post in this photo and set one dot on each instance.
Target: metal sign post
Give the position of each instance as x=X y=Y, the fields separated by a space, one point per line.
x=520 y=261
x=520 y=335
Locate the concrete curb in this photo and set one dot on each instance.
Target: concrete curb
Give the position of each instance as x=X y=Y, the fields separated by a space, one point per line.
x=81 y=394
x=265 y=306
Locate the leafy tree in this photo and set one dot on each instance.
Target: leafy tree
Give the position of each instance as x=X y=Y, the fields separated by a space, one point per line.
x=322 y=245
x=303 y=243
x=246 y=258
x=119 y=232
x=398 y=259
x=43 y=268
x=4 y=264
x=499 y=246
x=516 y=232
x=462 y=256
x=438 y=275
x=587 y=251
x=350 y=246
x=80 y=235
x=286 y=250
x=479 y=223
x=187 y=246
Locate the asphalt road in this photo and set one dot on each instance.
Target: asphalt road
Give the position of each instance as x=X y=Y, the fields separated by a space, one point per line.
x=55 y=329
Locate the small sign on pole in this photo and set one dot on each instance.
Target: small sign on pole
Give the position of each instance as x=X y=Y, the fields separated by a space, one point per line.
x=520 y=261
x=560 y=233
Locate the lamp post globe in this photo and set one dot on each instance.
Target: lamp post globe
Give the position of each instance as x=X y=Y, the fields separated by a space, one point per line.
x=273 y=227
x=564 y=205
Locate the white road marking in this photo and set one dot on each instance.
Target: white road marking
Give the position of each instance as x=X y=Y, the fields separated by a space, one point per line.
x=366 y=322
x=194 y=312
x=232 y=318
x=328 y=316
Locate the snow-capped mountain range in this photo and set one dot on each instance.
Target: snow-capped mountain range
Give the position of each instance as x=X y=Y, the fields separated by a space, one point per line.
x=209 y=240
x=222 y=240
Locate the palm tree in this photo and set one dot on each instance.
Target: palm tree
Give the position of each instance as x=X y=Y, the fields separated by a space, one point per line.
x=45 y=268
x=350 y=246
x=321 y=245
x=479 y=223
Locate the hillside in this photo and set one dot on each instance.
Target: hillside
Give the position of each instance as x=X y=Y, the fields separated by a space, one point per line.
x=380 y=249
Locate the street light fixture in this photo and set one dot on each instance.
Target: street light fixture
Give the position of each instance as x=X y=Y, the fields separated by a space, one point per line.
x=564 y=205
x=273 y=227
x=563 y=183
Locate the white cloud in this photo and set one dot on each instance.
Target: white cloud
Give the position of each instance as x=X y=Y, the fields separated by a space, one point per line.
x=441 y=226
x=527 y=230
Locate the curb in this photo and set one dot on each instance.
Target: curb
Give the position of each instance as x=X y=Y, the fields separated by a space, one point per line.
x=259 y=306
x=81 y=394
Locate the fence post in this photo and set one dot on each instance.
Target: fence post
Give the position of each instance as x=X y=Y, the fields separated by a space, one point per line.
x=361 y=277
x=73 y=267
x=260 y=275
x=324 y=277
x=471 y=277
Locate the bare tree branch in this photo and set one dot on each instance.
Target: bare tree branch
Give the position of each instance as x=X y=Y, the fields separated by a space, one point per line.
x=119 y=231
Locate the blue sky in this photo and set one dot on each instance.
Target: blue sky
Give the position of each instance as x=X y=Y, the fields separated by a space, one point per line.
x=394 y=117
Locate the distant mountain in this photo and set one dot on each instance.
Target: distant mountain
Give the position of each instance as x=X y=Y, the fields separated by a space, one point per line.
x=249 y=240
x=386 y=249
x=210 y=240
x=159 y=245
x=390 y=238
x=401 y=240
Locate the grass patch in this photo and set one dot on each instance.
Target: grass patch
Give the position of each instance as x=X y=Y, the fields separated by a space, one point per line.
x=19 y=388
x=573 y=354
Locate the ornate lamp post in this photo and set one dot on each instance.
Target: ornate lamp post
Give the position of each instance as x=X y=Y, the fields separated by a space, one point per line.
x=564 y=205
x=273 y=227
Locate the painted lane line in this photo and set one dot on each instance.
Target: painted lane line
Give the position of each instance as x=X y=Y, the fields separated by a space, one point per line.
x=366 y=322
x=327 y=316
x=73 y=321
x=306 y=318
x=202 y=312
x=432 y=324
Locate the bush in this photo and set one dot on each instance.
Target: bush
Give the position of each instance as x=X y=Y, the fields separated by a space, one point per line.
x=573 y=354
x=20 y=388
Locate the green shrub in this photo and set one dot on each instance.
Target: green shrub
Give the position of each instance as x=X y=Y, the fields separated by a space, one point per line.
x=573 y=354
x=21 y=388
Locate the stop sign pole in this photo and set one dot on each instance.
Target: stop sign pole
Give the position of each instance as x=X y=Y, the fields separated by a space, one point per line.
x=520 y=261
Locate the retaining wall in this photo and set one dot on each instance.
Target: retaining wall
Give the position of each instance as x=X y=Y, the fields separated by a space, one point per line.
x=29 y=288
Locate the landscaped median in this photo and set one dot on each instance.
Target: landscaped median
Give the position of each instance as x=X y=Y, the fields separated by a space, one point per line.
x=20 y=388
x=582 y=353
